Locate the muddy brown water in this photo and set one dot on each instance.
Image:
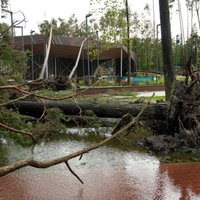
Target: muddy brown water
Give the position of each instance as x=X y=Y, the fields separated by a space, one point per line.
x=108 y=174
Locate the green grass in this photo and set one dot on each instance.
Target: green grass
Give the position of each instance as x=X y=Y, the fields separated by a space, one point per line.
x=54 y=94
x=180 y=157
x=112 y=97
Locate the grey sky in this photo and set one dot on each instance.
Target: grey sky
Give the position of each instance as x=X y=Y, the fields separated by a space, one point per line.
x=38 y=10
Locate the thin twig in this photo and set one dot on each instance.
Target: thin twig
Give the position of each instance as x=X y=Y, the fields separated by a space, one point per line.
x=80 y=110
x=81 y=156
x=70 y=169
x=80 y=113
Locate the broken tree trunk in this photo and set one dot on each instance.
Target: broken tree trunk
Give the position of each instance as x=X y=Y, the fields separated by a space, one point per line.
x=47 y=55
x=35 y=109
x=77 y=60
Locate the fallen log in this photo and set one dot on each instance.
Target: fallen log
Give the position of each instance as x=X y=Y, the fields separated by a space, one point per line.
x=35 y=109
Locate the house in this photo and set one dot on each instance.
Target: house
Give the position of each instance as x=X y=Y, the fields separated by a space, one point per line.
x=63 y=54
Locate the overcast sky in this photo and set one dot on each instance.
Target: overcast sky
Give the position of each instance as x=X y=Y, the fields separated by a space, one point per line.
x=37 y=11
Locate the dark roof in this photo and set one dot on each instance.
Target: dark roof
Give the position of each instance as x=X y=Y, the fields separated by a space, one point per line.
x=42 y=39
x=115 y=52
x=65 y=47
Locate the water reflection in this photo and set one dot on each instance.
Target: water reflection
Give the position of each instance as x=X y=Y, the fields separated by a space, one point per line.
x=107 y=174
x=184 y=177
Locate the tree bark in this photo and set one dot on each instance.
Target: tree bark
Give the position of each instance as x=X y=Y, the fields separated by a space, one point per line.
x=168 y=67
x=35 y=109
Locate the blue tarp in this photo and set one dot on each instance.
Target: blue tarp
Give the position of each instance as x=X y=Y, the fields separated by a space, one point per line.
x=142 y=79
x=136 y=79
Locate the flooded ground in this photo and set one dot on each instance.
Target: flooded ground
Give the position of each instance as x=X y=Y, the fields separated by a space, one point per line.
x=108 y=174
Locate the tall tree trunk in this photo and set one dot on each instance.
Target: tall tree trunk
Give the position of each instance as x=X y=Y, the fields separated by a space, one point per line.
x=168 y=67
x=197 y=11
x=128 y=42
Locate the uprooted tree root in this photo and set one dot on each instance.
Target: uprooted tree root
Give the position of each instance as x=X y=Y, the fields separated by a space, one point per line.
x=183 y=121
x=184 y=114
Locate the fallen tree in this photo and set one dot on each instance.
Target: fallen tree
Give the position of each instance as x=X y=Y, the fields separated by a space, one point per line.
x=35 y=109
x=180 y=118
x=154 y=116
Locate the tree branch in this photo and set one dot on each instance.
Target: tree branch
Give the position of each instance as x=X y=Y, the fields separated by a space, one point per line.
x=13 y=101
x=19 y=131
